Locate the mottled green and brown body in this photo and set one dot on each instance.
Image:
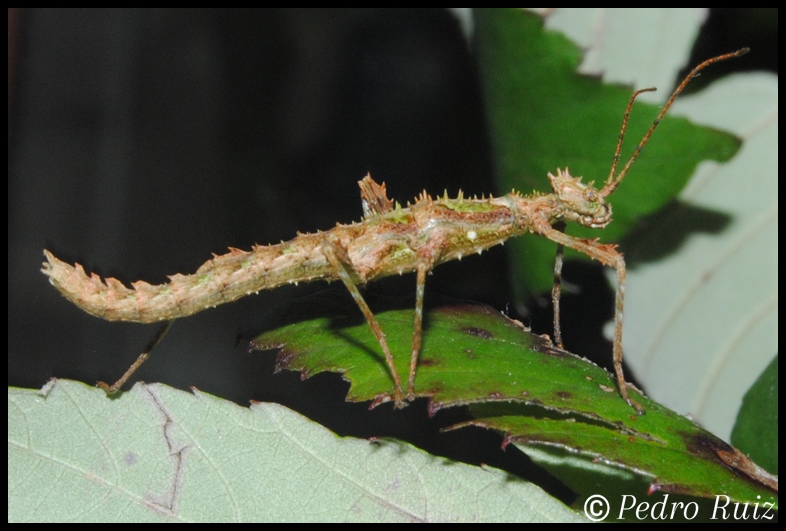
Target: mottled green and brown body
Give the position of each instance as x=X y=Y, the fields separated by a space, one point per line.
x=389 y=240
x=384 y=243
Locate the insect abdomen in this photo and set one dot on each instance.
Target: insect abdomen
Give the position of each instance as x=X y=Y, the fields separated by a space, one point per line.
x=223 y=279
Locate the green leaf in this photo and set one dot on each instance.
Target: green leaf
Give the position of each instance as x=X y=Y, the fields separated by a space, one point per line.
x=753 y=433
x=156 y=454
x=544 y=115
x=540 y=395
x=677 y=456
x=469 y=354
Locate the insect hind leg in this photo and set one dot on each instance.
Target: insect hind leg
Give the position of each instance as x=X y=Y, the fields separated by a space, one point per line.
x=143 y=357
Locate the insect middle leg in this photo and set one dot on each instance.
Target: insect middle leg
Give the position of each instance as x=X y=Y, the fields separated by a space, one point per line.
x=556 y=289
x=417 y=332
x=337 y=257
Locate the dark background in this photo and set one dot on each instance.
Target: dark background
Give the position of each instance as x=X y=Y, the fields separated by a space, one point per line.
x=141 y=141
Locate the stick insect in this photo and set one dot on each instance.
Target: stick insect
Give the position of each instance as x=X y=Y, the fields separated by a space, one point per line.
x=388 y=240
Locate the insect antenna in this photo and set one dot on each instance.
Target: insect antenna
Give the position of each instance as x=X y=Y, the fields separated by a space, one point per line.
x=613 y=180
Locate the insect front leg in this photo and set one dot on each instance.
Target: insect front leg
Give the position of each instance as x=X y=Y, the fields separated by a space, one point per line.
x=607 y=255
x=337 y=257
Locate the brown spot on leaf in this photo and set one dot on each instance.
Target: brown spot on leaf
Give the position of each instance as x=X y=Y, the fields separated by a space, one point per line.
x=478 y=332
x=711 y=448
x=705 y=445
